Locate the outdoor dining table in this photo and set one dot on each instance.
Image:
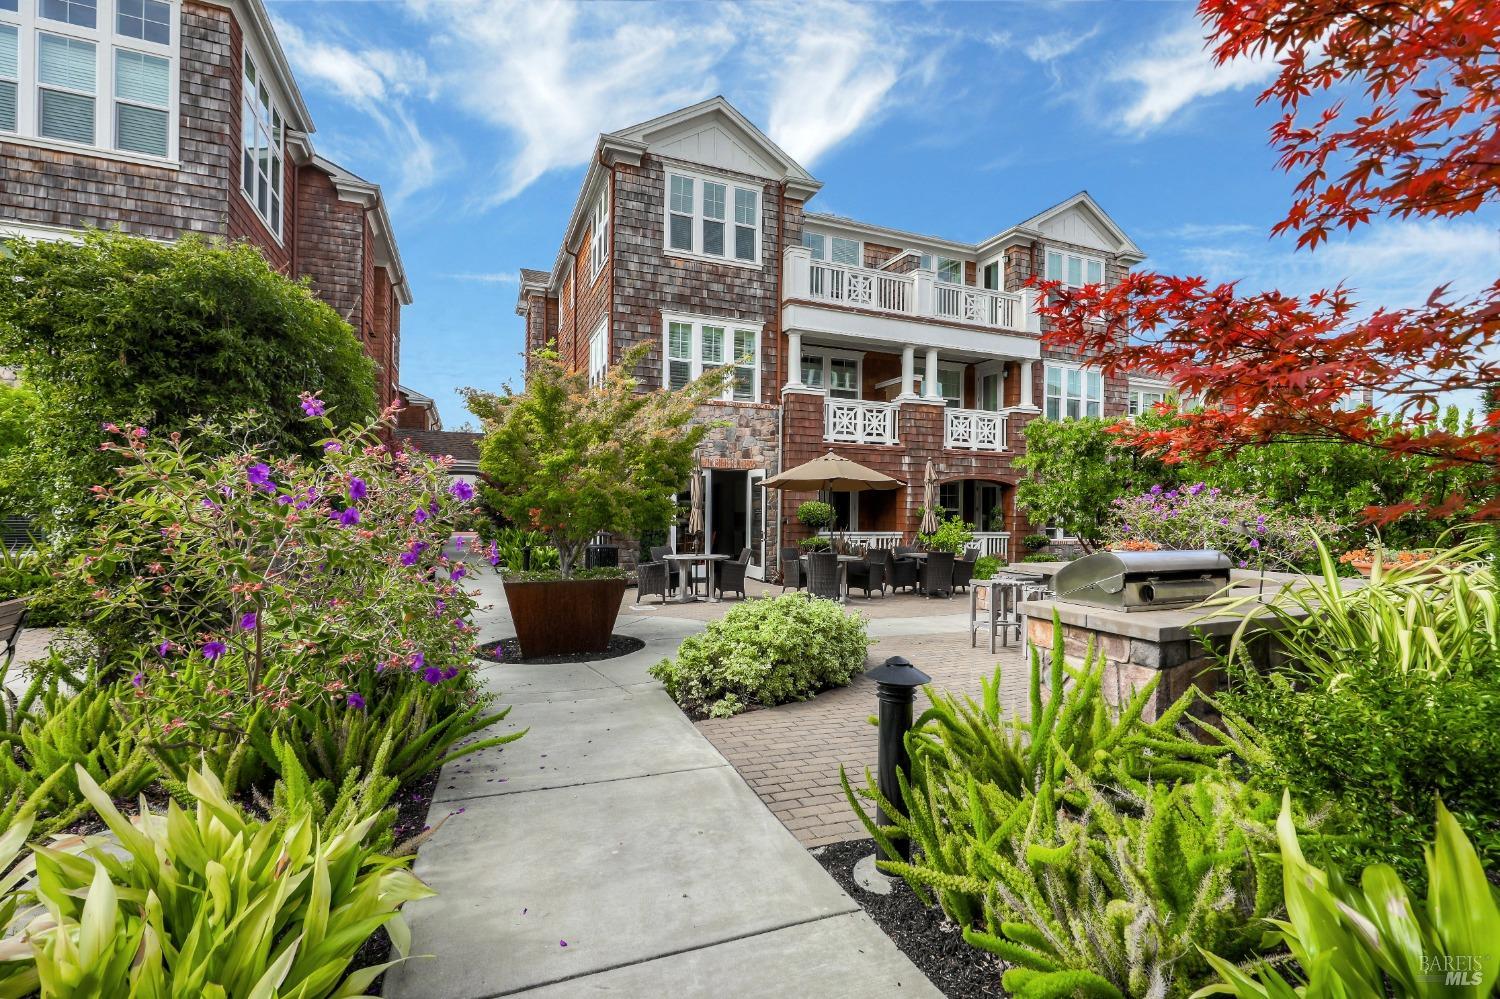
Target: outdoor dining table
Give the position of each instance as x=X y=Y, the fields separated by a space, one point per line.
x=687 y=592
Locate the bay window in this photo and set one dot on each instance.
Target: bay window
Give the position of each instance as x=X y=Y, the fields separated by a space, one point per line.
x=1072 y=393
x=261 y=148
x=695 y=345
x=699 y=221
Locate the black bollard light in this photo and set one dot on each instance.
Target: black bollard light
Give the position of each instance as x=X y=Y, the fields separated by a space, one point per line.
x=896 y=686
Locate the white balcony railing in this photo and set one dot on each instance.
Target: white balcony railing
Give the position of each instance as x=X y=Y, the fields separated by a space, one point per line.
x=996 y=543
x=916 y=293
x=872 y=540
x=855 y=421
x=974 y=430
x=860 y=286
x=976 y=305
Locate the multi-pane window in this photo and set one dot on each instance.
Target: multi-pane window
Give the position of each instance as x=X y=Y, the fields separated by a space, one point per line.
x=261 y=147
x=699 y=220
x=150 y=20
x=1072 y=393
x=951 y=386
x=694 y=346
x=838 y=375
x=1074 y=270
x=835 y=248
x=950 y=498
x=817 y=243
x=1142 y=400
x=10 y=75
x=599 y=353
x=950 y=271
x=98 y=73
x=65 y=76
x=599 y=238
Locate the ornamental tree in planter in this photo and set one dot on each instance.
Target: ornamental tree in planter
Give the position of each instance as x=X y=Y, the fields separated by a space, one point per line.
x=572 y=459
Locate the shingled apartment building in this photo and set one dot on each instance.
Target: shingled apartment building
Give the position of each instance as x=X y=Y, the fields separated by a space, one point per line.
x=164 y=117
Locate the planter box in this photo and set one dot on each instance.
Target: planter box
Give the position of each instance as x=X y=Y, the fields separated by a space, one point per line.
x=564 y=616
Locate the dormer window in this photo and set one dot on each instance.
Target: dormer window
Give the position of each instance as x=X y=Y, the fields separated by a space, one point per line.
x=712 y=218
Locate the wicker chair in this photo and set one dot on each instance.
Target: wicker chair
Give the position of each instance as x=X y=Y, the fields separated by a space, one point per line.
x=731 y=575
x=963 y=572
x=906 y=550
x=900 y=572
x=12 y=621
x=823 y=575
x=793 y=572
x=674 y=575
x=651 y=577
x=937 y=574
x=869 y=574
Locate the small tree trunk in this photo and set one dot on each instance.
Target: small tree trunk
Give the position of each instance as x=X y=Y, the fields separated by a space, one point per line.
x=567 y=555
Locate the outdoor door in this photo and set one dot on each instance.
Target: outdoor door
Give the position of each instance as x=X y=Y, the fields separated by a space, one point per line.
x=755 y=523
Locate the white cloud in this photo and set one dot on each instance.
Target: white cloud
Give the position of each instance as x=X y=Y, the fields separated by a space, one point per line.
x=1174 y=71
x=1049 y=48
x=498 y=277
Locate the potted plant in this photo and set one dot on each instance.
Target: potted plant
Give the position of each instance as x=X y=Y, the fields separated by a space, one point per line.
x=816 y=516
x=571 y=459
x=952 y=536
x=1364 y=560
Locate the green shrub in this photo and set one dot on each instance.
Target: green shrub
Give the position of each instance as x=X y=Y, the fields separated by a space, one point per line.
x=1385 y=689
x=766 y=652
x=815 y=515
x=986 y=566
x=816 y=544
x=1035 y=542
x=508 y=546
x=1045 y=557
x=951 y=536
x=1372 y=939
x=211 y=903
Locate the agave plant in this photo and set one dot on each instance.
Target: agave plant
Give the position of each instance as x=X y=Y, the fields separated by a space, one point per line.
x=1372 y=939
x=212 y=903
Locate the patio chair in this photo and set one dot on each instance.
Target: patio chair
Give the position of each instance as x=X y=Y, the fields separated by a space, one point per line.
x=731 y=575
x=867 y=575
x=906 y=549
x=792 y=574
x=900 y=572
x=823 y=575
x=651 y=577
x=937 y=574
x=12 y=620
x=674 y=575
x=963 y=572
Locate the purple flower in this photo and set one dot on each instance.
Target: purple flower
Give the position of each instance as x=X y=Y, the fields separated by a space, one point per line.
x=409 y=557
x=1156 y=490
x=462 y=490
x=283 y=500
x=332 y=447
x=213 y=650
x=494 y=553
x=1224 y=521
x=432 y=675
x=418 y=660
x=450 y=672
x=1195 y=488
x=438 y=606
x=419 y=515
x=163 y=649
x=433 y=508
x=247 y=623
x=312 y=406
x=260 y=476
x=138 y=681
x=357 y=490
x=356 y=702
x=459 y=572
x=349 y=517
x=1255 y=543
x=209 y=504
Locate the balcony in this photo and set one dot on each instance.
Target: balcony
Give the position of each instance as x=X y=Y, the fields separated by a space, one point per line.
x=916 y=294
x=855 y=421
x=974 y=430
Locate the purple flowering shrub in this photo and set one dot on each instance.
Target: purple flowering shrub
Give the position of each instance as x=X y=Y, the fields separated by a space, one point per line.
x=242 y=592
x=1249 y=530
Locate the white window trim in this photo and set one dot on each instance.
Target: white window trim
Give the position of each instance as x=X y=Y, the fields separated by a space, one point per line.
x=730 y=185
x=827 y=353
x=599 y=247
x=252 y=53
x=937 y=268
x=1083 y=267
x=1083 y=400
x=30 y=25
x=599 y=352
x=1137 y=389
x=696 y=361
x=999 y=264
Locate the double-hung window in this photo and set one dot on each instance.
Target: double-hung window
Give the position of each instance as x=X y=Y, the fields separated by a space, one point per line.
x=97 y=73
x=1072 y=392
x=712 y=218
x=1074 y=270
x=695 y=345
x=261 y=147
x=599 y=238
x=599 y=353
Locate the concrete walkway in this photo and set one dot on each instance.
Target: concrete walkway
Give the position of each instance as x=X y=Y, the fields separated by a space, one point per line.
x=613 y=851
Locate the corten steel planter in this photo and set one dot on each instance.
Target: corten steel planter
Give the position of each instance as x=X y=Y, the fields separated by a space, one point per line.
x=564 y=616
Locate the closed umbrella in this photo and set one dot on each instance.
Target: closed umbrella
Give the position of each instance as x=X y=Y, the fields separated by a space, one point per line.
x=695 y=504
x=929 y=500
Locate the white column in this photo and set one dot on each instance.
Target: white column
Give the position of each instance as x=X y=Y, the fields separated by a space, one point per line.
x=794 y=360
x=1026 y=402
x=930 y=380
x=908 y=372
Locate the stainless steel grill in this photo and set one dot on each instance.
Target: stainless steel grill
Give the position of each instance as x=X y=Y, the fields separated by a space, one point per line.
x=1140 y=581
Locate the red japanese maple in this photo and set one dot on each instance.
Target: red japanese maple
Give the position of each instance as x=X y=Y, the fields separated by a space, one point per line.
x=1390 y=110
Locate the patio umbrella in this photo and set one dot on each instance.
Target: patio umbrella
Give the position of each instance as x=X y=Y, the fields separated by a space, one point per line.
x=833 y=473
x=695 y=504
x=929 y=500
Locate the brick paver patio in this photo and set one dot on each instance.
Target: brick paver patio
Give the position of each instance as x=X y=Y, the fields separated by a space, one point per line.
x=790 y=755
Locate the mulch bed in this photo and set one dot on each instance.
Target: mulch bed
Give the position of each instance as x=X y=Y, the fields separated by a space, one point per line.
x=412 y=804
x=932 y=942
x=508 y=650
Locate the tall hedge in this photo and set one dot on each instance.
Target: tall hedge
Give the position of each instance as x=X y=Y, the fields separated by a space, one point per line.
x=117 y=328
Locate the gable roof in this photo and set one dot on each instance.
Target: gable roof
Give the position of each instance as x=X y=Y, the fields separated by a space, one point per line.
x=462 y=445
x=1081 y=204
x=354 y=188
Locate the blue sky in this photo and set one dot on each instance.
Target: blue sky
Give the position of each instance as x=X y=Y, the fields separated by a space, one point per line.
x=955 y=119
